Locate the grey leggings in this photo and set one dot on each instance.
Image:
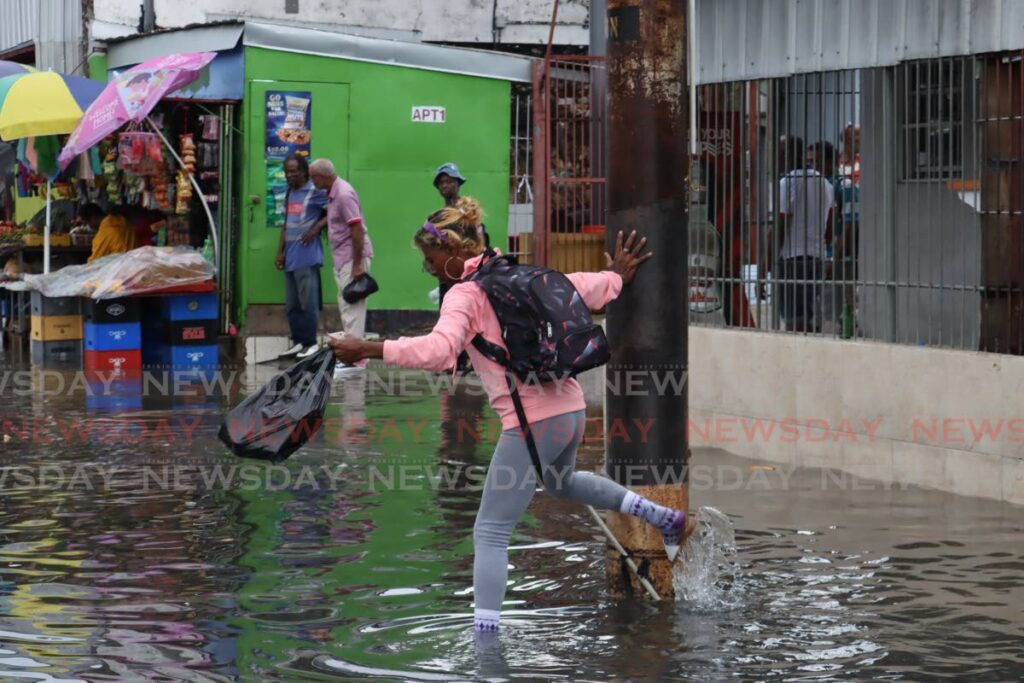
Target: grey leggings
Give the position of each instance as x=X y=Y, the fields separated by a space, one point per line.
x=511 y=481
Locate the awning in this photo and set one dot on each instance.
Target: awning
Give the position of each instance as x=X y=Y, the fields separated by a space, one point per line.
x=222 y=80
x=481 y=63
x=227 y=71
x=206 y=38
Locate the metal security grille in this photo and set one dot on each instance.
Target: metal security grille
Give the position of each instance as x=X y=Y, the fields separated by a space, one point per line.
x=569 y=103
x=880 y=204
x=521 y=198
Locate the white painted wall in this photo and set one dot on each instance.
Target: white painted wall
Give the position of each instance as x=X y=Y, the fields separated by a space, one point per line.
x=120 y=11
x=461 y=21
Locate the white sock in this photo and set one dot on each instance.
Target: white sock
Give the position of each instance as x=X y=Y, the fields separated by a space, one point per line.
x=649 y=511
x=486 y=619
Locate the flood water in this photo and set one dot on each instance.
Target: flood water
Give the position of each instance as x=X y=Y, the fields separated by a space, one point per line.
x=134 y=548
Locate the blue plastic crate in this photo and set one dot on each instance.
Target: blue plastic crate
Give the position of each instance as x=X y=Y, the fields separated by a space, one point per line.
x=189 y=307
x=112 y=404
x=112 y=385
x=179 y=357
x=112 y=336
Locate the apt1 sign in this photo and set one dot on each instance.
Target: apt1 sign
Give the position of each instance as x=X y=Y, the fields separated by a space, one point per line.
x=422 y=114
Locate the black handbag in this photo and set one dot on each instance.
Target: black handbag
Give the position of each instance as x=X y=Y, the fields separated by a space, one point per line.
x=360 y=288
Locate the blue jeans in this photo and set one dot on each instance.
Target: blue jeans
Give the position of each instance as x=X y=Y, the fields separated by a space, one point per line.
x=302 y=303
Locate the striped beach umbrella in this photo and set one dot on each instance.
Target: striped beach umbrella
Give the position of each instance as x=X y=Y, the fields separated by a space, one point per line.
x=43 y=103
x=12 y=68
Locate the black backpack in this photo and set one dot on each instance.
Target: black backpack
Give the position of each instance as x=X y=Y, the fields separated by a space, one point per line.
x=545 y=324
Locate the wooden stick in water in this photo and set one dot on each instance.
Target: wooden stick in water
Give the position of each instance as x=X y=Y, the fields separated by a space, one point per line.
x=622 y=551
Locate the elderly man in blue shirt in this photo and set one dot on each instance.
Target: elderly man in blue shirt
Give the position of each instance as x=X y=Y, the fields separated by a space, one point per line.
x=300 y=255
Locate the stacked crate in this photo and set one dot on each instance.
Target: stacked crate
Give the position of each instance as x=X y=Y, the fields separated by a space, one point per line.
x=56 y=330
x=113 y=336
x=113 y=391
x=181 y=333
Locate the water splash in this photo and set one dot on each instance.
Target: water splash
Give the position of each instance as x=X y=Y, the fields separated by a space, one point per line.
x=706 y=577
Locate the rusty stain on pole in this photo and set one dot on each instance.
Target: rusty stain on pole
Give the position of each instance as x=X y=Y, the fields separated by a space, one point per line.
x=648 y=163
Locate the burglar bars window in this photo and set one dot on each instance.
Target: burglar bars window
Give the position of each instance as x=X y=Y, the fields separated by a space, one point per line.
x=931 y=119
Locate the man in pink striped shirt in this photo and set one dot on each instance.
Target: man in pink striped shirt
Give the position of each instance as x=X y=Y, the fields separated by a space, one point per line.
x=349 y=240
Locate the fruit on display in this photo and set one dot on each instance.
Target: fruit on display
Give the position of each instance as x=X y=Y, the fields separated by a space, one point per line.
x=10 y=232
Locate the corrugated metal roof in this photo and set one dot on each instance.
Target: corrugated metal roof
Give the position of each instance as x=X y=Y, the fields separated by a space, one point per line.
x=55 y=26
x=482 y=63
x=19 y=21
x=200 y=38
x=740 y=40
x=59 y=45
x=290 y=38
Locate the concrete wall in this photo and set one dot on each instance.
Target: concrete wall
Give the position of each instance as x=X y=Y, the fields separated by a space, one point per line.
x=456 y=21
x=894 y=414
x=947 y=420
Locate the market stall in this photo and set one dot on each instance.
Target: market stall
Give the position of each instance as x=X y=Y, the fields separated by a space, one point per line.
x=151 y=305
x=35 y=107
x=386 y=113
x=145 y=172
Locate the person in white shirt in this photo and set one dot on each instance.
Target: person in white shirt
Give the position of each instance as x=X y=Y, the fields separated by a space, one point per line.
x=806 y=199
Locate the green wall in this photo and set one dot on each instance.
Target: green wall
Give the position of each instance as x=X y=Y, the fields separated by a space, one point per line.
x=366 y=129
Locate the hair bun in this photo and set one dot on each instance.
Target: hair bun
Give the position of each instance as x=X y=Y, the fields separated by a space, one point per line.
x=470 y=210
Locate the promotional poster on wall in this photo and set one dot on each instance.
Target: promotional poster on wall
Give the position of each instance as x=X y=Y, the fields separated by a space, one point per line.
x=288 y=116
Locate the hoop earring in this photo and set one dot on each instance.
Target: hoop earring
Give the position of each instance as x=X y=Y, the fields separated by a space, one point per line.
x=446 y=273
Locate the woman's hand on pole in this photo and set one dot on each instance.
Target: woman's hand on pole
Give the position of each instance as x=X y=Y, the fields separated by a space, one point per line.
x=628 y=256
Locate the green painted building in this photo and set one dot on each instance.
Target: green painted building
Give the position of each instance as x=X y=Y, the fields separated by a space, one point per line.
x=387 y=113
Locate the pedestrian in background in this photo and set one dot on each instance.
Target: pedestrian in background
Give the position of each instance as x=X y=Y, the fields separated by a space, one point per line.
x=300 y=255
x=349 y=239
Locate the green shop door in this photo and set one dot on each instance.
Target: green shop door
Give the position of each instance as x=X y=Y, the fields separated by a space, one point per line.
x=286 y=116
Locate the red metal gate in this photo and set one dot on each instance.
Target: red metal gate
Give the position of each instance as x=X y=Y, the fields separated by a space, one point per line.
x=569 y=196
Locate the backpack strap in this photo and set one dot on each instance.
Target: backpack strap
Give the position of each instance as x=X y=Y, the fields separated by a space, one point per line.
x=499 y=355
x=531 y=445
x=491 y=351
x=491 y=258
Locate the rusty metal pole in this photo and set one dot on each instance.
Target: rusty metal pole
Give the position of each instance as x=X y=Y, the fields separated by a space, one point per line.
x=648 y=163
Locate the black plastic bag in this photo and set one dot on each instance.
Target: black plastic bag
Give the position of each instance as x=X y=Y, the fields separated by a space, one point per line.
x=284 y=414
x=360 y=288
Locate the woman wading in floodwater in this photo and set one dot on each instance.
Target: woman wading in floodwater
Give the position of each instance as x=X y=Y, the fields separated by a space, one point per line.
x=453 y=250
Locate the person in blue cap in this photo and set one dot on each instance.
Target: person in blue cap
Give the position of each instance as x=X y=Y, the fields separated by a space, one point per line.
x=448 y=180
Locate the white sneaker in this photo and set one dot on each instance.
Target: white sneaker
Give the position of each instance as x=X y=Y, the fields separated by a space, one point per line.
x=291 y=352
x=343 y=369
x=309 y=351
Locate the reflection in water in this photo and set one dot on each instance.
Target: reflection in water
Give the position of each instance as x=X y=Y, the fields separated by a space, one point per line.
x=318 y=568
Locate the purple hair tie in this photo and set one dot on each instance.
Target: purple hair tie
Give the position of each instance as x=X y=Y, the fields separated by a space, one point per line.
x=429 y=227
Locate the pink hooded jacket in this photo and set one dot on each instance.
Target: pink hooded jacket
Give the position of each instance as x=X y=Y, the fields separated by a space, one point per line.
x=466 y=313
